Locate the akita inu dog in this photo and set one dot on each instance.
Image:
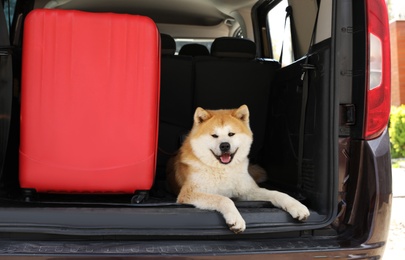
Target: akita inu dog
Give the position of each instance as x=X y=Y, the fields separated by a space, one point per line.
x=212 y=166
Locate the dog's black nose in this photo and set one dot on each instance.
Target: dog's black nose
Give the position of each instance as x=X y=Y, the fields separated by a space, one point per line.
x=224 y=147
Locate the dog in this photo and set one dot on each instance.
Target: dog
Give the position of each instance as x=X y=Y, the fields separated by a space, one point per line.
x=212 y=166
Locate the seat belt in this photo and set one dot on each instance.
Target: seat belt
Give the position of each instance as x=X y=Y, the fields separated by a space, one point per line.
x=305 y=86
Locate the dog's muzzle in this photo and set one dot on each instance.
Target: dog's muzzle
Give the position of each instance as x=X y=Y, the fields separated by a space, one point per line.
x=226 y=156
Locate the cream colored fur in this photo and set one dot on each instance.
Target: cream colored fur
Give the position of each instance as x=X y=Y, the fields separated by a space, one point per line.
x=200 y=177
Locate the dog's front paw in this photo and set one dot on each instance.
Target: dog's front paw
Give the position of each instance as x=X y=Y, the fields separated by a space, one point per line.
x=235 y=223
x=298 y=211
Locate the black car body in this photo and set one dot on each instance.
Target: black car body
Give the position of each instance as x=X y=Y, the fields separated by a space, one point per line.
x=330 y=149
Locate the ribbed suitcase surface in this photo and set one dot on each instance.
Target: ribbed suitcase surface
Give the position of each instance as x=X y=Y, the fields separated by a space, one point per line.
x=89 y=102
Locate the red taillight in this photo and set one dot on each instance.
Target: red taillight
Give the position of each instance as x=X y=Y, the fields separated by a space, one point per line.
x=378 y=101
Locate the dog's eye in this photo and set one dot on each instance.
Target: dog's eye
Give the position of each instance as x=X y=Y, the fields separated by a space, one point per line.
x=231 y=134
x=214 y=135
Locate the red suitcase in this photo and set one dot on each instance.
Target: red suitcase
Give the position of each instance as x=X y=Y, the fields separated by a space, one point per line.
x=89 y=102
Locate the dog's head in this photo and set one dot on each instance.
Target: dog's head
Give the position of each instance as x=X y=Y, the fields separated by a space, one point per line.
x=221 y=137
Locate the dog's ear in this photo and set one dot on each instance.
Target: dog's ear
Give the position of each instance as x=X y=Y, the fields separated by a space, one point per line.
x=242 y=113
x=201 y=115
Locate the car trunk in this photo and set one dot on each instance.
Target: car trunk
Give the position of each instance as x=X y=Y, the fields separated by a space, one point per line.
x=160 y=215
x=297 y=149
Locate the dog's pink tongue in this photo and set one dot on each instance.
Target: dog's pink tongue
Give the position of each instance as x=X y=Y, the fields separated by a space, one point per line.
x=225 y=158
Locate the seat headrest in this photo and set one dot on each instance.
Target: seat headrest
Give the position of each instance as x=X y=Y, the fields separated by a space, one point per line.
x=167 y=43
x=194 y=49
x=229 y=47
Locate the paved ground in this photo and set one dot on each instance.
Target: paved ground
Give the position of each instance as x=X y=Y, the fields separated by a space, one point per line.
x=395 y=248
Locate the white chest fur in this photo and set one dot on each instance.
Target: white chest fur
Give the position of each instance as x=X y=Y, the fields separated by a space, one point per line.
x=229 y=180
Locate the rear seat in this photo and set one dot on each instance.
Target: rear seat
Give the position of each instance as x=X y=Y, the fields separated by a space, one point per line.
x=232 y=76
x=176 y=86
x=176 y=100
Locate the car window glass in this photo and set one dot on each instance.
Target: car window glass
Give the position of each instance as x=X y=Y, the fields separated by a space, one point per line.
x=180 y=42
x=8 y=7
x=280 y=33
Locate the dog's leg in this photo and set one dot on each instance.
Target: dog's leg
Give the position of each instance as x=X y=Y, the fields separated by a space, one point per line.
x=280 y=200
x=215 y=202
